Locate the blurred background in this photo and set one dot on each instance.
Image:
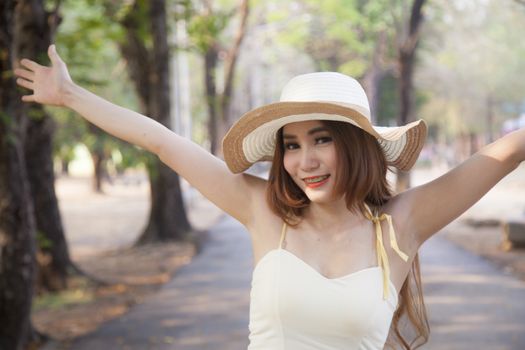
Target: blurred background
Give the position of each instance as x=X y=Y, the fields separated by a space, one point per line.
x=70 y=192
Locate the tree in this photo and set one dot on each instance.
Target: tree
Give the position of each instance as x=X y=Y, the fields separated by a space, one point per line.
x=34 y=30
x=473 y=74
x=145 y=48
x=408 y=39
x=87 y=40
x=17 y=226
x=205 y=28
x=351 y=37
x=373 y=41
x=374 y=24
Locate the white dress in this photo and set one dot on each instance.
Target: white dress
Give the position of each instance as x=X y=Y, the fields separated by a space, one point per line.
x=294 y=307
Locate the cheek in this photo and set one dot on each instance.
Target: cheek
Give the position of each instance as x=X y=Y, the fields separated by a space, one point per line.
x=289 y=163
x=333 y=160
x=331 y=157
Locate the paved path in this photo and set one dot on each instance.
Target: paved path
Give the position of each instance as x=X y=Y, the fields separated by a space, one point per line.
x=204 y=307
x=471 y=304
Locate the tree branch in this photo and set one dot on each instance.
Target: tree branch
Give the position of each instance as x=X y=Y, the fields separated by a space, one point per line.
x=231 y=59
x=416 y=17
x=137 y=56
x=54 y=18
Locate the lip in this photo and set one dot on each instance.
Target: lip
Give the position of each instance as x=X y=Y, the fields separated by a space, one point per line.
x=316 y=184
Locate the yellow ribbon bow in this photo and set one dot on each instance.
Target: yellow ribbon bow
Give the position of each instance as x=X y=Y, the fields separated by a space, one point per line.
x=382 y=258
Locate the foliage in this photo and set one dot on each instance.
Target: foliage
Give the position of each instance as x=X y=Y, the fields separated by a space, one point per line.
x=343 y=31
x=473 y=65
x=469 y=50
x=388 y=105
x=206 y=22
x=86 y=41
x=205 y=28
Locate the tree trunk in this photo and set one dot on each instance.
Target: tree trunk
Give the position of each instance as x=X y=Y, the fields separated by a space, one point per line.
x=17 y=226
x=210 y=69
x=374 y=75
x=33 y=32
x=99 y=159
x=229 y=69
x=168 y=217
x=53 y=248
x=167 y=220
x=97 y=156
x=490 y=120
x=220 y=120
x=406 y=61
x=149 y=71
x=407 y=50
x=219 y=102
x=64 y=168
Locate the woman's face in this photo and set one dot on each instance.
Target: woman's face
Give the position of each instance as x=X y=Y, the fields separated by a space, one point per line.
x=310 y=159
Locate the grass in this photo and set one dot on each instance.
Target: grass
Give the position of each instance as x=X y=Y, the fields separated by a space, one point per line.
x=79 y=292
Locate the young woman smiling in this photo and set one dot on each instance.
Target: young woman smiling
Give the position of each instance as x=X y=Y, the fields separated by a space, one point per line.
x=323 y=278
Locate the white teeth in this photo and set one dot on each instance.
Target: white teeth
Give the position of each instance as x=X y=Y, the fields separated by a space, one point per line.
x=316 y=179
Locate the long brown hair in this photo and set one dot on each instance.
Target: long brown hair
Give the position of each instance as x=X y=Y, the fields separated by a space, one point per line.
x=362 y=167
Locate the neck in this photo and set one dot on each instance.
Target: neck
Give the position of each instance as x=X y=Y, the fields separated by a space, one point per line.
x=330 y=217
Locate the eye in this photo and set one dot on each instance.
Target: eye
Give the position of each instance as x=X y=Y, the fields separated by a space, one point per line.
x=323 y=139
x=291 y=146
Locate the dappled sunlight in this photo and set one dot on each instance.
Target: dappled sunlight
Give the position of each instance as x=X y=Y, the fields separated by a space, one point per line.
x=471 y=318
x=459 y=327
x=175 y=322
x=206 y=339
x=471 y=279
x=95 y=223
x=459 y=300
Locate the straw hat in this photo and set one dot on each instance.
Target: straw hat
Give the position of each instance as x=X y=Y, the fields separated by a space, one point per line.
x=317 y=96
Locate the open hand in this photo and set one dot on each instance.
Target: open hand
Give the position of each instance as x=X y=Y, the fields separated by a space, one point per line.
x=50 y=85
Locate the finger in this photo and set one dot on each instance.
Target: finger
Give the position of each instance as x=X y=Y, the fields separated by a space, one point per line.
x=30 y=64
x=53 y=55
x=28 y=98
x=25 y=83
x=25 y=74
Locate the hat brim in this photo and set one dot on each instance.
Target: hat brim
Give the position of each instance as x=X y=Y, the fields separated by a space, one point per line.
x=252 y=138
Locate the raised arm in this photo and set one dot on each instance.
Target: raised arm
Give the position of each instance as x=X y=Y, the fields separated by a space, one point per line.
x=231 y=192
x=425 y=209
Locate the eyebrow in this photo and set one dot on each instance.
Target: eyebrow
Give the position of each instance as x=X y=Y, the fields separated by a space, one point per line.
x=310 y=132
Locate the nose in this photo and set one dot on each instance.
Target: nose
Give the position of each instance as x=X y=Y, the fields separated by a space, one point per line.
x=309 y=160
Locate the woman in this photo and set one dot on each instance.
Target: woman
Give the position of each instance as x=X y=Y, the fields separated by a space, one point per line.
x=318 y=224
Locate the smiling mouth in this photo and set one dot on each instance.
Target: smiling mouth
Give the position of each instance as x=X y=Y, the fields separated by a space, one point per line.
x=315 y=181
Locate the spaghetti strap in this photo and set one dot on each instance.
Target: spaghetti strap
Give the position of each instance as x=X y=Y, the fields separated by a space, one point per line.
x=382 y=257
x=283 y=234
